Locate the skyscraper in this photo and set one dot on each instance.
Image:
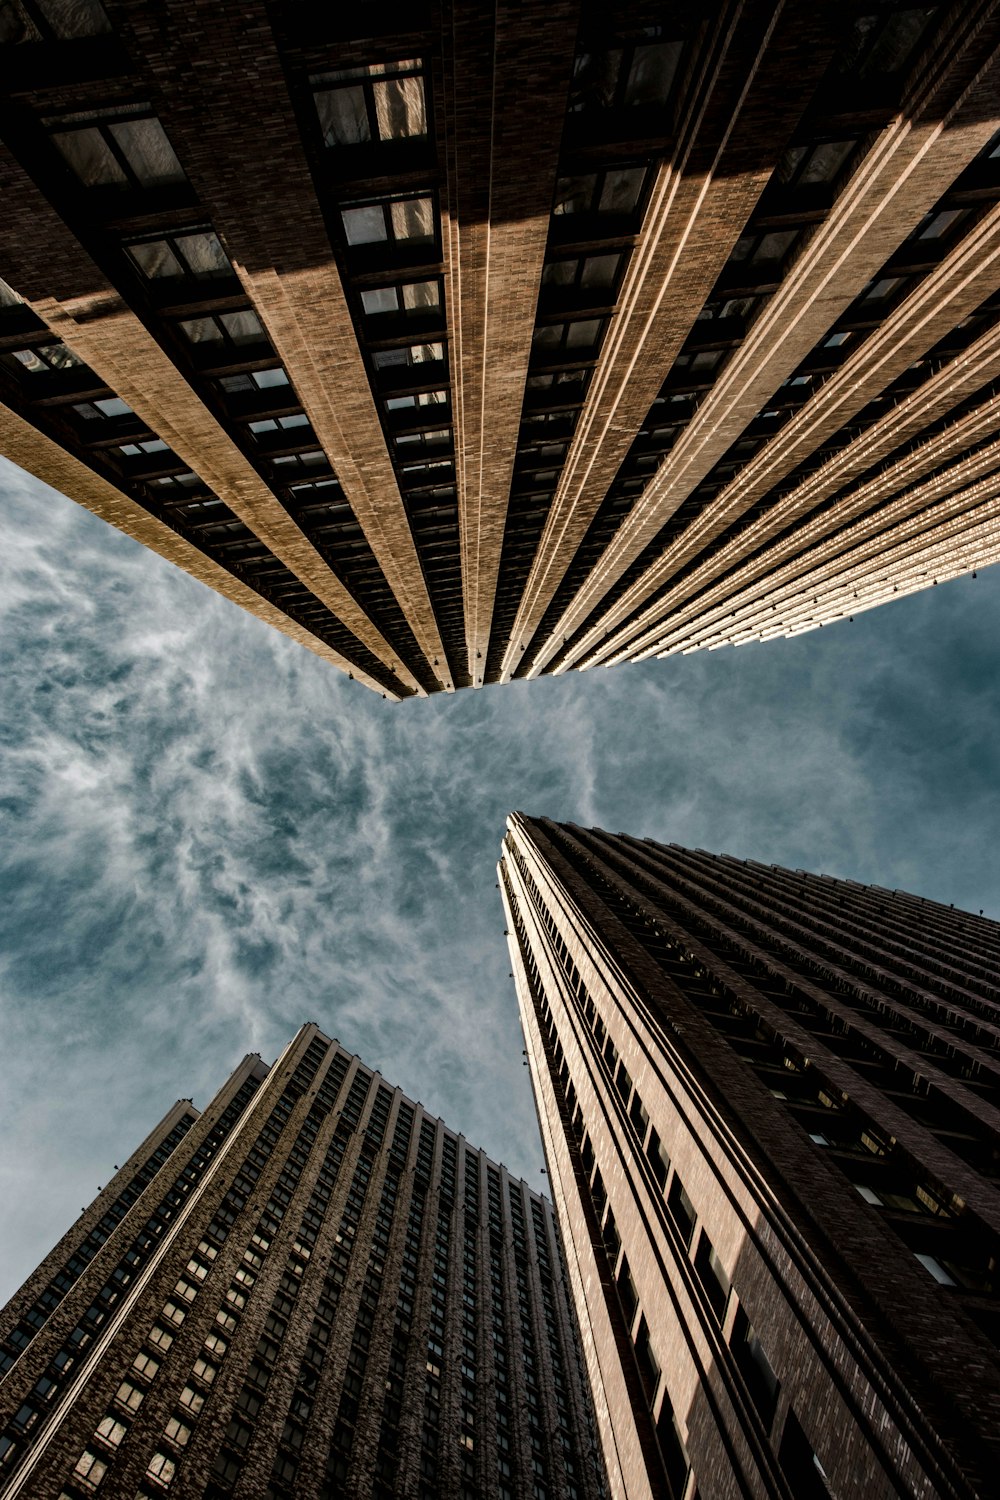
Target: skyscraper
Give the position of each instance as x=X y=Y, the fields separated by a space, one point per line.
x=470 y=342
x=311 y=1289
x=769 y=1102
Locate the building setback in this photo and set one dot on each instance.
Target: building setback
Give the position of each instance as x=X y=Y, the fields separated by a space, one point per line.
x=312 y=1289
x=470 y=342
x=769 y=1102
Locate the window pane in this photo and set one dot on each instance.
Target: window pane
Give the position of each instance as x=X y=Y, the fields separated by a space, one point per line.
x=204 y=255
x=622 y=187
x=73 y=18
x=548 y=335
x=420 y=294
x=202 y=331
x=148 y=152
x=156 y=260
x=560 y=272
x=600 y=270
x=28 y=360
x=583 y=334
x=399 y=108
x=364 y=226
x=826 y=161
x=265 y=379
x=88 y=154
x=343 y=116
x=113 y=406
x=242 y=327
x=575 y=195
x=382 y=299
x=652 y=73
x=413 y=219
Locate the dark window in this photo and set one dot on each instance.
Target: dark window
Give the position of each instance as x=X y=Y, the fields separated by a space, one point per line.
x=682 y=1209
x=755 y=1367
x=713 y=1275
x=126 y=150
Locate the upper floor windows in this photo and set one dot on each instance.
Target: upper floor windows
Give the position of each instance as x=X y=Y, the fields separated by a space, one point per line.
x=377 y=102
x=43 y=360
x=414 y=297
x=52 y=20
x=224 y=331
x=125 y=149
x=625 y=76
x=196 y=255
x=389 y=221
x=614 y=191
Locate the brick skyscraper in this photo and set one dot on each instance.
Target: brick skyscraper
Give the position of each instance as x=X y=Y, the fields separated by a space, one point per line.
x=312 y=1289
x=469 y=342
x=771 y=1110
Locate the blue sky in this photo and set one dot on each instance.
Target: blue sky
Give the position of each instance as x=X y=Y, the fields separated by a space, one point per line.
x=210 y=836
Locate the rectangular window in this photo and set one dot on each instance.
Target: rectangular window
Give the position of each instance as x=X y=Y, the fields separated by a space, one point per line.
x=377 y=102
x=125 y=149
x=682 y=1209
x=755 y=1367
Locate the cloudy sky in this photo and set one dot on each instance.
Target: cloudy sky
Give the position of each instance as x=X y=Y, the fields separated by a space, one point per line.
x=210 y=837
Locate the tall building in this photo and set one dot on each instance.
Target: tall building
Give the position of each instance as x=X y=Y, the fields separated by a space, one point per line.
x=312 y=1289
x=770 y=1103
x=470 y=342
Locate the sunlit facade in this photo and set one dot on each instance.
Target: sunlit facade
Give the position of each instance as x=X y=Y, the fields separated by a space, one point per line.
x=473 y=343
x=770 y=1105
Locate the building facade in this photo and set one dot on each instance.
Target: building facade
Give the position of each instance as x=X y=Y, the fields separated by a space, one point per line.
x=313 y=1288
x=469 y=342
x=770 y=1103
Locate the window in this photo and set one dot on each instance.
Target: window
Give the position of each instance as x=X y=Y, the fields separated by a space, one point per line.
x=389 y=221
x=587 y=272
x=675 y=1457
x=136 y=450
x=802 y=166
x=682 y=1209
x=614 y=191
x=755 y=1367
x=803 y=1470
x=649 y=1368
x=129 y=1395
x=194 y=256
x=224 y=330
x=191 y=1399
x=279 y=424
x=413 y=354
x=412 y=297
x=713 y=1275
x=104 y=410
x=178 y=1432
x=627 y=1293
x=259 y=380
x=144 y=1364
x=161 y=1467
x=580 y=336
x=657 y=1157
x=111 y=1430
x=43 y=360
x=377 y=102
x=624 y=77
x=90 y=1470
x=125 y=150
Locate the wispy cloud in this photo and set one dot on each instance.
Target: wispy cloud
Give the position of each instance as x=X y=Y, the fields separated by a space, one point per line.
x=212 y=836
